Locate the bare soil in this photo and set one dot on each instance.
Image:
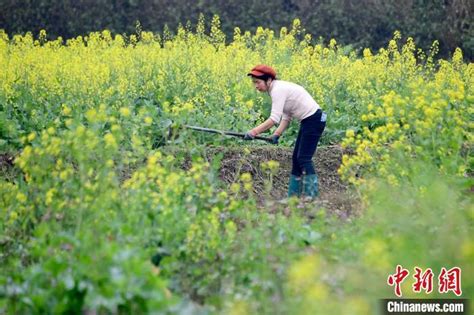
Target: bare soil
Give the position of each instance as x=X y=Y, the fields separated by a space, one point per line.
x=7 y=169
x=335 y=195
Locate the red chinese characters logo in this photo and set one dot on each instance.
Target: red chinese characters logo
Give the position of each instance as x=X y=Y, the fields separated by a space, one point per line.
x=448 y=280
x=397 y=278
x=424 y=281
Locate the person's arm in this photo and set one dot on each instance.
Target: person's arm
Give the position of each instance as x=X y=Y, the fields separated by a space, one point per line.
x=267 y=124
x=278 y=102
x=283 y=125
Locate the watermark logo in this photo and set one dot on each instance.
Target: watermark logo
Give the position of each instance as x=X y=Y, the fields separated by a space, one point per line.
x=448 y=280
x=423 y=280
x=397 y=278
x=424 y=306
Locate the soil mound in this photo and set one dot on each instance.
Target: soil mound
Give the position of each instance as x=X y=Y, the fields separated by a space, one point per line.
x=335 y=195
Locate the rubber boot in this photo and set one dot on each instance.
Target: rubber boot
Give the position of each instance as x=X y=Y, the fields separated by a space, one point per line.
x=294 y=187
x=309 y=187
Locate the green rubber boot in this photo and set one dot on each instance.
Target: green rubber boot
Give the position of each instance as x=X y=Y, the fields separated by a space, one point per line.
x=310 y=186
x=294 y=187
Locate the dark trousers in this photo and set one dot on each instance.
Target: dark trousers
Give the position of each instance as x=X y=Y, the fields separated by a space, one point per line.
x=310 y=132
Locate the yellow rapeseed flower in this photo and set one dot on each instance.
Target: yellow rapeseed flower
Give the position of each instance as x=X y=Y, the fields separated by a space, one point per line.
x=350 y=133
x=66 y=111
x=110 y=140
x=91 y=115
x=303 y=273
x=273 y=165
x=235 y=188
x=31 y=136
x=13 y=216
x=148 y=120
x=21 y=197
x=50 y=195
x=246 y=177
x=125 y=111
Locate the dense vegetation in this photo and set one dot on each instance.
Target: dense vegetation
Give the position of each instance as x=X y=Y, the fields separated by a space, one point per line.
x=105 y=212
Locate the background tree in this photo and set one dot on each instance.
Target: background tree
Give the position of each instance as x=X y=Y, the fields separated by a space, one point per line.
x=362 y=23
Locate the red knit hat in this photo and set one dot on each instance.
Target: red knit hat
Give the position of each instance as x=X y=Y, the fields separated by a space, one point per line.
x=260 y=70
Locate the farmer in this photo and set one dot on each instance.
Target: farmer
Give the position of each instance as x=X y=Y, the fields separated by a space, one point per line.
x=290 y=100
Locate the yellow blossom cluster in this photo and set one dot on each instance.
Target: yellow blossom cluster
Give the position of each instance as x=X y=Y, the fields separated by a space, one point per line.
x=429 y=119
x=104 y=79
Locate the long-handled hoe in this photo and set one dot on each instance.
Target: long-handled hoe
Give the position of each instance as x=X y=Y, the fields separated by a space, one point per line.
x=228 y=133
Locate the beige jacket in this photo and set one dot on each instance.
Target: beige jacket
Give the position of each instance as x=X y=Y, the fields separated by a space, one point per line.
x=290 y=100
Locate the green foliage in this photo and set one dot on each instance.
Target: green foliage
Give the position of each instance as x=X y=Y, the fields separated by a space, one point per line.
x=100 y=217
x=87 y=272
x=67 y=246
x=425 y=221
